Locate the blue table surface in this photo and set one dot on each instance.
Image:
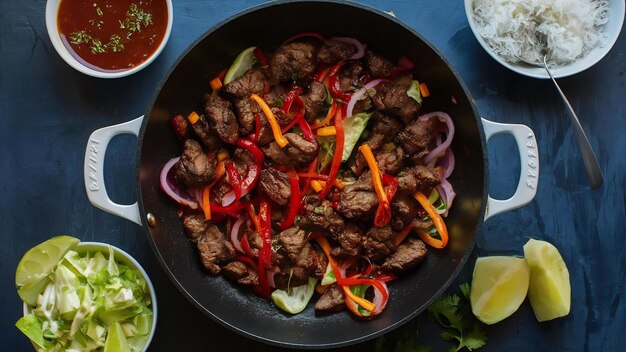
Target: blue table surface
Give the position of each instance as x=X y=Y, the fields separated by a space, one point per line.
x=48 y=110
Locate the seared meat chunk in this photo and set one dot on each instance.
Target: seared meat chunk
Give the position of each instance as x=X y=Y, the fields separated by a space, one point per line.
x=378 y=66
x=390 y=161
x=289 y=277
x=417 y=178
x=319 y=216
x=240 y=273
x=331 y=300
x=246 y=109
x=293 y=61
x=313 y=100
x=333 y=51
x=243 y=159
x=207 y=136
x=292 y=241
x=194 y=168
x=275 y=185
x=418 y=138
x=403 y=210
x=194 y=225
x=358 y=200
x=350 y=241
x=319 y=262
x=384 y=129
x=350 y=76
x=214 y=249
x=253 y=81
x=299 y=151
x=221 y=117
x=391 y=97
x=379 y=243
x=408 y=255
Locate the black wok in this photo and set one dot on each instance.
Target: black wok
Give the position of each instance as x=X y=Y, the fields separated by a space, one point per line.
x=182 y=89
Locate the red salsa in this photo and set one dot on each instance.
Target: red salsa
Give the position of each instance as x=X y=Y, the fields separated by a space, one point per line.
x=112 y=35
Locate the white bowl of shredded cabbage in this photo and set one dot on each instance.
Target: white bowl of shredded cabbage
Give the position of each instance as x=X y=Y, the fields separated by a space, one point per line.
x=578 y=33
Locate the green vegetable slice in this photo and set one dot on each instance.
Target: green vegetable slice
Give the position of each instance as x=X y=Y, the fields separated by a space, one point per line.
x=353 y=127
x=296 y=299
x=32 y=327
x=414 y=91
x=243 y=62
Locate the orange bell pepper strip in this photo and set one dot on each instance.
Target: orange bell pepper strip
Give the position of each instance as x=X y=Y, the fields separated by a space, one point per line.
x=278 y=135
x=326 y=131
x=424 y=90
x=437 y=220
x=216 y=84
x=193 y=117
x=383 y=213
x=206 y=192
x=336 y=162
x=329 y=115
x=402 y=235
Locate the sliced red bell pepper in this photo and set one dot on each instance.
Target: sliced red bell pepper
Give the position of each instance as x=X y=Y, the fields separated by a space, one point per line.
x=295 y=200
x=234 y=179
x=254 y=170
x=298 y=116
x=335 y=89
x=321 y=73
x=263 y=290
x=254 y=137
x=391 y=184
x=231 y=210
x=336 y=162
x=258 y=53
x=265 y=219
x=307 y=133
x=290 y=96
x=246 y=260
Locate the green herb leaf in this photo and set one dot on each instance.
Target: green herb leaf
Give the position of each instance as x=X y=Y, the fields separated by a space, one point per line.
x=80 y=37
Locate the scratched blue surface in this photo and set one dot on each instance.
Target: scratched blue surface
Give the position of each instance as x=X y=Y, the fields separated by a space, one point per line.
x=47 y=111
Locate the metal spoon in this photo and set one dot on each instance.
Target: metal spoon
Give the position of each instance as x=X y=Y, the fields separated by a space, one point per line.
x=594 y=173
x=589 y=158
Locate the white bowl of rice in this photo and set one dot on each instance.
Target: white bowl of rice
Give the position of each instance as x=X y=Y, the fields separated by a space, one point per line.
x=579 y=33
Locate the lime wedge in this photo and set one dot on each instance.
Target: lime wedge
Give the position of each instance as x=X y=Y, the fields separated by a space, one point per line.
x=499 y=286
x=38 y=263
x=549 y=291
x=296 y=300
x=116 y=340
x=243 y=62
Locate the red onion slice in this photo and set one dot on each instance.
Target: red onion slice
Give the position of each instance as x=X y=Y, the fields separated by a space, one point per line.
x=358 y=94
x=447 y=194
x=360 y=48
x=234 y=234
x=170 y=189
x=448 y=162
x=229 y=198
x=442 y=116
x=270 y=278
x=378 y=299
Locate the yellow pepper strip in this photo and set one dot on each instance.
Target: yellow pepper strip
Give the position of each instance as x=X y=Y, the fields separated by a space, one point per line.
x=216 y=84
x=318 y=186
x=222 y=155
x=376 y=178
x=369 y=306
x=437 y=220
x=206 y=205
x=278 y=135
x=329 y=115
x=424 y=90
x=193 y=117
x=326 y=131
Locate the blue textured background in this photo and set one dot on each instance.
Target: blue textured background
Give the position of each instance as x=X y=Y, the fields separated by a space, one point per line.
x=47 y=111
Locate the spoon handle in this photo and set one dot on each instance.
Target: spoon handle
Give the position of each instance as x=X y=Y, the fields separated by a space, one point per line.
x=589 y=158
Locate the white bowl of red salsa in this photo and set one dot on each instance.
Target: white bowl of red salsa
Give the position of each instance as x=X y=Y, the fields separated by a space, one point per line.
x=109 y=39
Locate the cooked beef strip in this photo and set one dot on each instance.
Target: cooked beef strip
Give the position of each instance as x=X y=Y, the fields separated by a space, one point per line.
x=408 y=255
x=289 y=277
x=350 y=76
x=275 y=185
x=292 y=241
x=221 y=118
x=319 y=262
x=253 y=81
x=390 y=162
x=280 y=116
x=358 y=200
x=319 y=216
x=384 y=129
x=194 y=168
x=240 y=273
x=379 y=243
x=332 y=51
x=214 y=249
x=194 y=225
x=299 y=151
x=255 y=241
x=332 y=300
x=378 y=65
x=246 y=109
x=417 y=178
x=418 y=138
x=313 y=100
x=391 y=97
x=403 y=210
x=350 y=241
x=293 y=61
x=207 y=136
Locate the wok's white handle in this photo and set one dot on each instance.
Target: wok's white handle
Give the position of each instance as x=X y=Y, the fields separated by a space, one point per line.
x=94 y=169
x=529 y=173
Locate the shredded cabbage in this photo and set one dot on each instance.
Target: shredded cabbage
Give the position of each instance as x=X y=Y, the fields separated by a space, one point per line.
x=571 y=28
